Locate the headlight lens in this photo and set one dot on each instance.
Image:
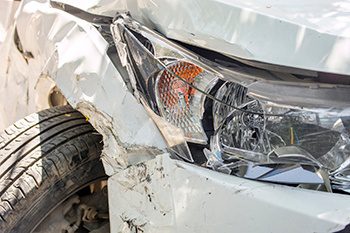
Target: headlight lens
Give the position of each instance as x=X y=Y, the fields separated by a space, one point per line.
x=254 y=138
x=265 y=126
x=266 y=134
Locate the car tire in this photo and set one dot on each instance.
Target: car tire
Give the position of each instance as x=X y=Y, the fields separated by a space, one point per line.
x=44 y=159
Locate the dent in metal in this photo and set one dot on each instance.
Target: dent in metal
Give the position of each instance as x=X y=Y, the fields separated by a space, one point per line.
x=160 y=195
x=312 y=36
x=72 y=53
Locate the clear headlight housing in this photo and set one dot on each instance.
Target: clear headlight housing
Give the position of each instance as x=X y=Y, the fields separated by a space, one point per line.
x=292 y=138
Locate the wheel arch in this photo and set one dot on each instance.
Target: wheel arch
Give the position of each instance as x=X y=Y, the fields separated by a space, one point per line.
x=62 y=51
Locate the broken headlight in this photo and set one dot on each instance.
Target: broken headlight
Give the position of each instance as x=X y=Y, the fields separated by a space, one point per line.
x=251 y=136
x=268 y=141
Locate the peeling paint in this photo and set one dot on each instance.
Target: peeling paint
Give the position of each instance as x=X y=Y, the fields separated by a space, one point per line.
x=132 y=225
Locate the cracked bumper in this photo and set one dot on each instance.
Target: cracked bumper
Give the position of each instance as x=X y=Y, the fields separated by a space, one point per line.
x=165 y=195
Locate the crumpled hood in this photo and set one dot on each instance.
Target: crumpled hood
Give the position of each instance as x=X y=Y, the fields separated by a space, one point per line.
x=312 y=35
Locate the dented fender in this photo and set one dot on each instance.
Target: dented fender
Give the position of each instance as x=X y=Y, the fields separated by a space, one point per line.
x=71 y=54
x=148 y=191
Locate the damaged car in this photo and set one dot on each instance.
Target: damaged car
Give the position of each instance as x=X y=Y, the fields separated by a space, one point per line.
x=175 y=116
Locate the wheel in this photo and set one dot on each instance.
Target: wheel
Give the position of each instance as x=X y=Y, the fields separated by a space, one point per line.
x=49 y=159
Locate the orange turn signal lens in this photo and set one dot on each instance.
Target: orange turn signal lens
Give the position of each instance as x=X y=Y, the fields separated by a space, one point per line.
x=174 y=91
x=178 y=101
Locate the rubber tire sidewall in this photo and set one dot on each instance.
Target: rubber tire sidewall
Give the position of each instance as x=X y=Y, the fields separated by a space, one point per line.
x=82 y=175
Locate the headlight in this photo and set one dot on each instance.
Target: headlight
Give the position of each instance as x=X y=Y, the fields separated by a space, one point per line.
x=301 y=142
x=273 y=142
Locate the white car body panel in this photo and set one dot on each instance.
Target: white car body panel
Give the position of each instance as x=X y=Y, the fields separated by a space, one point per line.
x=312 y=35
x=165 y=195
x=8 y=9
x=148 y=190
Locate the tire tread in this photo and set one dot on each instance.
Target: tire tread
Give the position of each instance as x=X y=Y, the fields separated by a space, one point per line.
x=41 y=147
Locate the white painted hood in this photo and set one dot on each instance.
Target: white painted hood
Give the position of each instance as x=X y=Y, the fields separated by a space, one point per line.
x=306 y=34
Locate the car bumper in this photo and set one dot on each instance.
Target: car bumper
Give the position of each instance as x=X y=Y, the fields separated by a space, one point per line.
x=165 y=195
